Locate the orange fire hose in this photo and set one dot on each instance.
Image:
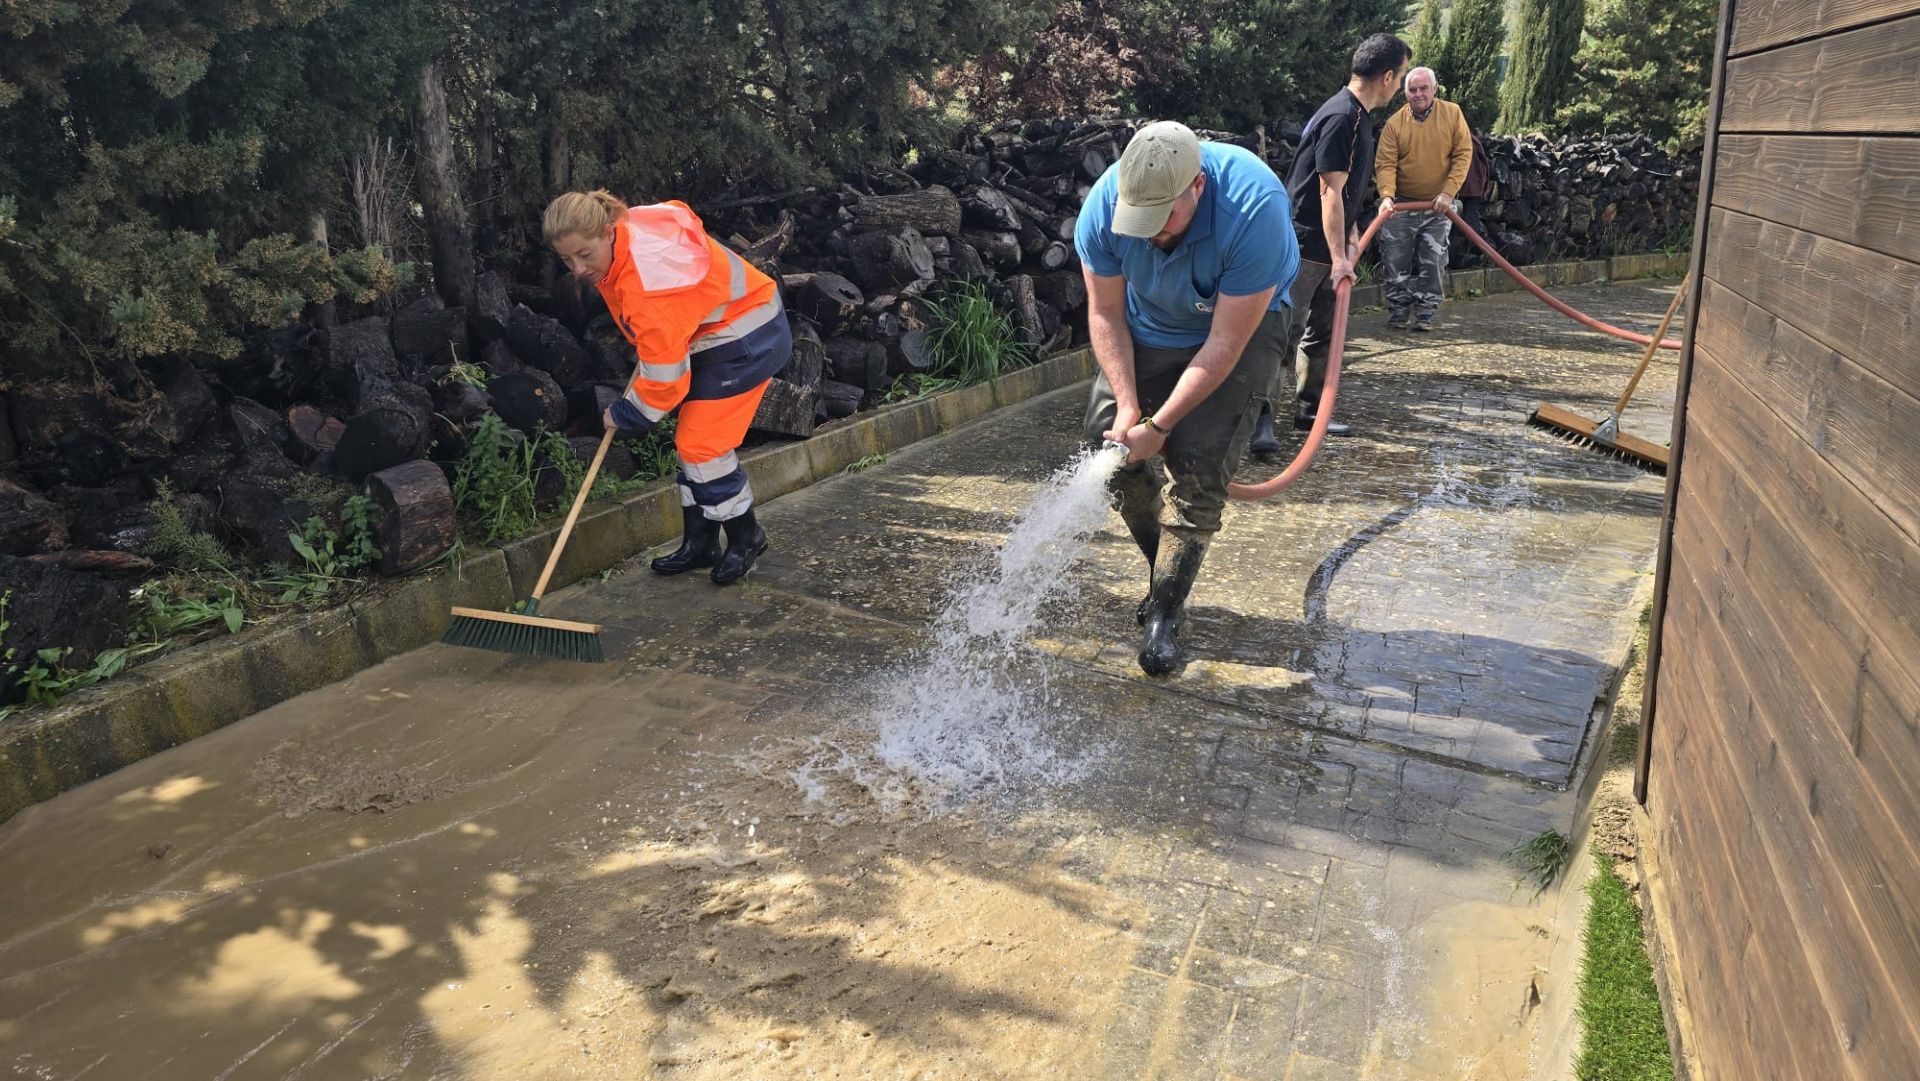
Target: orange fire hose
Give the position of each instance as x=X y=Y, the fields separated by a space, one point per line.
x=1342 y=298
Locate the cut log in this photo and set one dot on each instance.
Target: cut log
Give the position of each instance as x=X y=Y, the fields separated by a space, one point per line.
x=857 y=361
x=1026 y=311
x=839 y=399
x=428 y=333
x=883 y=260
x=587 y=404
x=528 y=400
x=1033 y=239
x=988 y=208
x=312 y=436
x=548 y=345
x=967 y=263
x=1001 y=249
x=460 y=402
x=786 y=410
x=826 y=298
x=416 y=515
x=911 y=352
x=1054 y=256
x=487 y=319
x=808 y=361
x=103 y=560
x=263 y=432
x=379 y=438
x=932 y=210
x=765 y=252
x=497 y=357
x=1064 y=289
x=29 y=522
x=362 y=352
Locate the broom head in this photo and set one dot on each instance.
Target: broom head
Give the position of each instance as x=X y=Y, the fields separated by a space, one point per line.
x=533 y=636
x=1575 y=428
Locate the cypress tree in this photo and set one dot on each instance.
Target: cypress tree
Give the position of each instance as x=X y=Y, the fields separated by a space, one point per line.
x=1545 y=39
x=1429 y=34
x=1469 y=67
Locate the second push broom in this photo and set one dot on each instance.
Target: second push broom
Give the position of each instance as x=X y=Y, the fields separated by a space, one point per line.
x=1605 y=435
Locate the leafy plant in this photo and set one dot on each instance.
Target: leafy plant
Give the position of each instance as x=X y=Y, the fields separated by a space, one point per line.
x=972 y=341
x=358 y=549
x=170 y=611
x=909 y=387
x=325 y=567
x=866 y=463
x=493 y=487
x=465 y=371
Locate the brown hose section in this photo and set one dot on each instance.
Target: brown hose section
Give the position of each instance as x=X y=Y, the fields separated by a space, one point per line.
x=1342 y=298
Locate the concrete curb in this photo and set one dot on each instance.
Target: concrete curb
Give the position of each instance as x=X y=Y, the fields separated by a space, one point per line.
x=220 y=681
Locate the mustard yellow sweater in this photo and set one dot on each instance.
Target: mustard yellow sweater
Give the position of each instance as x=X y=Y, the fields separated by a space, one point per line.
x=1418 y=159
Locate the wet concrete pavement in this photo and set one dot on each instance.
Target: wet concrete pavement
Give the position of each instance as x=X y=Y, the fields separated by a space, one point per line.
x=1285 y=862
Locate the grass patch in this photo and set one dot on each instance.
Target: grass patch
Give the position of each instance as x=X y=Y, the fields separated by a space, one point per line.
x=973 y=341
x=1625 y=1034
x=1541 y=859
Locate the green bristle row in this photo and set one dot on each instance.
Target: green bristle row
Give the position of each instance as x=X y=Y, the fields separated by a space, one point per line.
x=550 y=643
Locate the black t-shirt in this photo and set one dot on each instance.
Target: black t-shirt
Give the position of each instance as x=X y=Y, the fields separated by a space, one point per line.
x=1339 y=139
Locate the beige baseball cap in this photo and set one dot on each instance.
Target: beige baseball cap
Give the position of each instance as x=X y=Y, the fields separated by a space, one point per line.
x=1159 y=163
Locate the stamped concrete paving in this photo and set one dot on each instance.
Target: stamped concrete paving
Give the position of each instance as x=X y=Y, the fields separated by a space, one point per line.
x=1283 y=863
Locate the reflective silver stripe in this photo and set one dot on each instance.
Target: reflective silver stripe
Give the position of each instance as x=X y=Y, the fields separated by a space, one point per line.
x=665 y=373
x=732 y=508
x=741 y=327
x=736 y=288
x=686 y=496
x=705 y=472
x=647 y=411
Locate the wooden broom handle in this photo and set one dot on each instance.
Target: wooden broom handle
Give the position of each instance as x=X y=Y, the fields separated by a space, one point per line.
x=579 y=500
x=580 y=497
x=1679 y=295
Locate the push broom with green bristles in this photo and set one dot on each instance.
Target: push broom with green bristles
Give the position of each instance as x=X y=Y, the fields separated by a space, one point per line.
x=523 y=631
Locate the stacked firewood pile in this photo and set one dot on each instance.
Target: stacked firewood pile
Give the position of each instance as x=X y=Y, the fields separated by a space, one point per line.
x=1585 y=198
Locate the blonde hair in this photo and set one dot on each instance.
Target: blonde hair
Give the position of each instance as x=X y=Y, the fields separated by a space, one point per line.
x=582 y=213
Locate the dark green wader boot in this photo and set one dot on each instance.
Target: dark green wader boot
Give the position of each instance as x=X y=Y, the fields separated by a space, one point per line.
x=699 y=544
x=1181 y=553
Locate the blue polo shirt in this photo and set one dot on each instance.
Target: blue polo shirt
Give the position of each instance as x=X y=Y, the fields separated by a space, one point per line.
x=1241 y=241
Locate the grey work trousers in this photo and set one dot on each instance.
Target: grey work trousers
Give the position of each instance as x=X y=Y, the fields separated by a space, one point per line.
x=1413 y=255
x=1311 y=332
x=1204 y=448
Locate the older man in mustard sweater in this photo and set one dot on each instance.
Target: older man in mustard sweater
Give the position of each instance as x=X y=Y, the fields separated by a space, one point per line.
x=1425 y=151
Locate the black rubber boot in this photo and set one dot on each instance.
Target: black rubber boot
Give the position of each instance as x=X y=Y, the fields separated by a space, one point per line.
x=746 y=542
x=1264 y=445
x=1303 y=421
x=699 y=546
x=1181 y=554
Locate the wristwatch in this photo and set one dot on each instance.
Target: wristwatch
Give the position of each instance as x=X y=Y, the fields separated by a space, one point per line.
x=1148 y=421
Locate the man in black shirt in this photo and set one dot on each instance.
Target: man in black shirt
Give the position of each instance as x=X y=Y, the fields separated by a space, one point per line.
x=1328 y=186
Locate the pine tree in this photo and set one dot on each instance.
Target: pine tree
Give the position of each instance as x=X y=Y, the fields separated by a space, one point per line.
x=1644 y=67
x=1429 y=34
x=1469 y=67
x=1545 y=39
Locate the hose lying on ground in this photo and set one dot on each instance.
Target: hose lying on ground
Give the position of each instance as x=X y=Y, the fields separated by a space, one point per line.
x=1342 y=299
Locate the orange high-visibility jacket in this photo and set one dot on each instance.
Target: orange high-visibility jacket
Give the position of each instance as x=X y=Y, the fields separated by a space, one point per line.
x=702 y=319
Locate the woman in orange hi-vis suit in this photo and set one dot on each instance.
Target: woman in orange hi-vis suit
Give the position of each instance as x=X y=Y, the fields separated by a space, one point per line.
x=710 y=331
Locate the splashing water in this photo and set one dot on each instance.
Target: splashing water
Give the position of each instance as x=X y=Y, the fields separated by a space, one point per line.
x=967 y=714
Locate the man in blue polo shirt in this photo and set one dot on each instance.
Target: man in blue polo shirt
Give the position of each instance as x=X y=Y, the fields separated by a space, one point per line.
x=1189 y=254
